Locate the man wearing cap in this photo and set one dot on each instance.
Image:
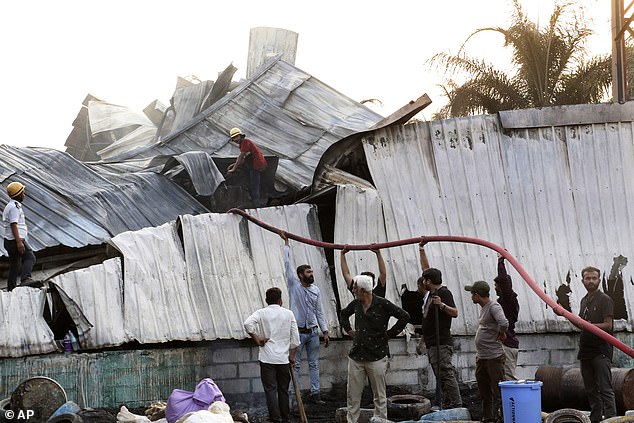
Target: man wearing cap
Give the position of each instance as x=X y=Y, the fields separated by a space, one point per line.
x=254 y=159
x=439 y=309
x=305 y=302
x=15 y=236
x=490 y=358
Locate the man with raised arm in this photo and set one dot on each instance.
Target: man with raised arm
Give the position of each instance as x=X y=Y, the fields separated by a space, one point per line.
x=379 y=287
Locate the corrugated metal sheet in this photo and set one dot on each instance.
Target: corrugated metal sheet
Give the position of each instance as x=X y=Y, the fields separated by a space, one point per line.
x=205 y=287
x=360 y=221
x=20 y=338
x=285 y=111
x=107 y=117
x=558 y=198
x=98 y=290
x=70 y=204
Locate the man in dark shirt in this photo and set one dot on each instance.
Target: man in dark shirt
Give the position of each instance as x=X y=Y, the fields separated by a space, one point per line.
x=438 y=311
x=507 y=298
x=595 y=354
x=369 y=353
x=379 y=289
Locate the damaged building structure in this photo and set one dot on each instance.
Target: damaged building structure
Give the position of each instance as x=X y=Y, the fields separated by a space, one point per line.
x=133 y=237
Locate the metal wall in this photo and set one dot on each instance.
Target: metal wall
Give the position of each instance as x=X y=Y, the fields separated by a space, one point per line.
x=558 y=197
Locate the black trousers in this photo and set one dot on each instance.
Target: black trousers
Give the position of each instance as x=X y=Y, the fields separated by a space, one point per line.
x=275 y=380
x=27 y=259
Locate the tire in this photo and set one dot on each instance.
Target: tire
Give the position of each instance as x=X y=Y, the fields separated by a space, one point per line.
x=66 y=418
x=567 y=415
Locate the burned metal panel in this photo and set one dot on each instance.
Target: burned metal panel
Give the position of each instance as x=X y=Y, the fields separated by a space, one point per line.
x=201 y=169
x=285 y=111
x=158 y=305
x=105 y=117
x=141 y=137
x=69 y=203
x=98 y=290
x=19 y=339
x=231 y=262
x=555 y=197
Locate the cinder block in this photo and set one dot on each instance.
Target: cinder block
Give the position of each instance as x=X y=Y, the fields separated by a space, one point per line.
x=562 y=357
x=223 y=371
x=236 y=386
x=232 y=355
x=249 y=370
x=407 y=362
x=398 y=346
x=534 y=358
x=404 y=377
x=256 y=385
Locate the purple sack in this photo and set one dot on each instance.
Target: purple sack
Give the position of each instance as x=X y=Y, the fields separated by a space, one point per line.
x=182 y=402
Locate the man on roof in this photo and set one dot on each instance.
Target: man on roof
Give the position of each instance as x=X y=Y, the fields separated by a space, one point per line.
x=15 y=236
x=251 y=156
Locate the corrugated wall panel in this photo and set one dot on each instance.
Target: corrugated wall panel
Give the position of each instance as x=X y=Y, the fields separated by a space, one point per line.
x=236 y=261
x=360 y=221
x=98 y=290
x=157 y=307
x=18 y=339
x=556 y=197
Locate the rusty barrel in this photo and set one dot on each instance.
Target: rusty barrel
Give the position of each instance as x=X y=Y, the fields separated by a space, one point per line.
x=563 y=388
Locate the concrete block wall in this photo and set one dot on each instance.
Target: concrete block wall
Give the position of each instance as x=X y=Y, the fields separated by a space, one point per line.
x=138 y=377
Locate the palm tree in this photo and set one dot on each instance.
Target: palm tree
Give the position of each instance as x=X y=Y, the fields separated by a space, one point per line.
x=549 y=68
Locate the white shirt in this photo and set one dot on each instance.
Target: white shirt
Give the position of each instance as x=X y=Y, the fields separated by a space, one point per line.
x=13 y=213
x=279 y=326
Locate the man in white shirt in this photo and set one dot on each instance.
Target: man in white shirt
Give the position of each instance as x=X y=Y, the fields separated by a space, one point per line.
x=15 y=236
x=274 y=330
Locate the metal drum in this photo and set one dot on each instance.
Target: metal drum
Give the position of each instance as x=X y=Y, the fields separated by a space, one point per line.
x=563 y=388
x=39 y=396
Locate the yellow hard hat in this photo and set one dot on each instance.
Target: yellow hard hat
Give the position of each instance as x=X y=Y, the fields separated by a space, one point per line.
x=234 y=132
x=14 y=189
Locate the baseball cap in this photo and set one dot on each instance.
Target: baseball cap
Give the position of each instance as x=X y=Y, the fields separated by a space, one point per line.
x=479 y=287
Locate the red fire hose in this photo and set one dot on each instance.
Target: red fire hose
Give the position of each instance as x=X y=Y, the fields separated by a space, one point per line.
x=558 y=309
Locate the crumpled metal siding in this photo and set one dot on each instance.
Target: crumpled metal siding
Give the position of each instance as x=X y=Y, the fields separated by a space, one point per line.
x=68 y=203
x=237 y=261
x=157 y=304
x=98 y=290
x=23 y=328
x=204 y=288
x=360 y=221
x=284 y=110
x=555 y=197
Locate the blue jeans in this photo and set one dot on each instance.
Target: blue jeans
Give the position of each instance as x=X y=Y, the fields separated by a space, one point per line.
x=310 y=342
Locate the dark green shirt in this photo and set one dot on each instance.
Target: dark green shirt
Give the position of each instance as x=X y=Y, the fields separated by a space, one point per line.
x=369 y=342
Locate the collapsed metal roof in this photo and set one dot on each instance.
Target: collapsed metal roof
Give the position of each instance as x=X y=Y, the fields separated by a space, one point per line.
x=70 y=204
x=285 y=111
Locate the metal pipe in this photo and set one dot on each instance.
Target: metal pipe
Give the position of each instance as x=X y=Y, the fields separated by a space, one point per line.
x=558 y=309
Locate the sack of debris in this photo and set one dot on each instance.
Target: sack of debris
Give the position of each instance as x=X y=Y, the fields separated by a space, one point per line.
x=181 y=402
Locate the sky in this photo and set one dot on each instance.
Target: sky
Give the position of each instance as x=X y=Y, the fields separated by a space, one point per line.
x=130 y=52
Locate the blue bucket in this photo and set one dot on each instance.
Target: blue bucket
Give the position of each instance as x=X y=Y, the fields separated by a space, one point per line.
x=522 y=401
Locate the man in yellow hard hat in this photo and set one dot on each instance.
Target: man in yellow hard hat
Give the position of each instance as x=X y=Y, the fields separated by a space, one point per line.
x=254 y=159
x=15 y=236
